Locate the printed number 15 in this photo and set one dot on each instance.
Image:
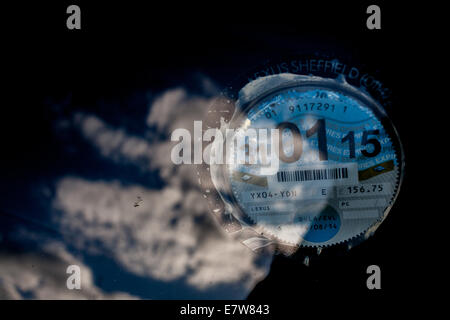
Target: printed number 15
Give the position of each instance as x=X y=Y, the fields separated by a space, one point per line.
x=350 y=137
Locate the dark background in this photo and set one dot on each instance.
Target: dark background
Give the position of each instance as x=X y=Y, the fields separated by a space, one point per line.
x=124 y=46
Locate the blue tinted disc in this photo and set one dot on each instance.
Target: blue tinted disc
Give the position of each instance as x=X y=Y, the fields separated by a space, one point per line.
x=339 y=161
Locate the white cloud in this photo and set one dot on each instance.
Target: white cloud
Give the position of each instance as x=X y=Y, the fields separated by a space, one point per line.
x=161 y=238
x=175 y=108
x=43 y=276
x=113 y=143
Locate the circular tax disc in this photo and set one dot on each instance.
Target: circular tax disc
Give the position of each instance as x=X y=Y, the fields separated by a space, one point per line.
x=314 y=161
